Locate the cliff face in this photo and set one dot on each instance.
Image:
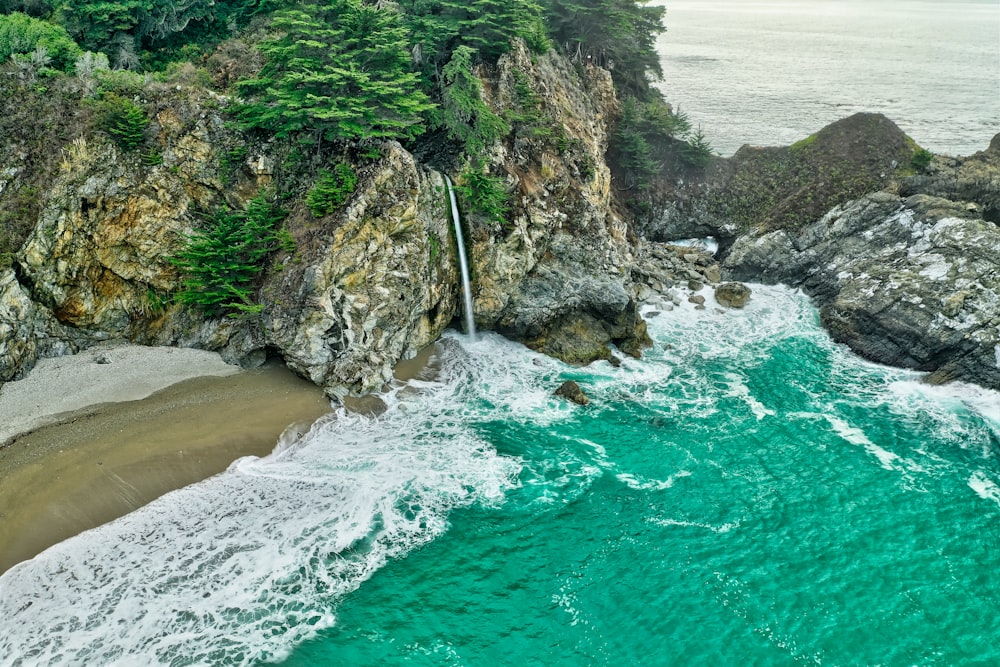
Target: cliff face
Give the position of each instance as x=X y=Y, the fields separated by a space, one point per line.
x=909 y=281
x=366 y=286
x=558 y=280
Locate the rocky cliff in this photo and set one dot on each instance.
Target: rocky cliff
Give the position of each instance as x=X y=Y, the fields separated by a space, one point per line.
x=907 y=276
x=365 y=286
x=559 y=278
x=911 y=281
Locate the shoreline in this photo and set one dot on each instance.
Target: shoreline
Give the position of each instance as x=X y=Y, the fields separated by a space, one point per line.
x=129 y=438
x=102 y=461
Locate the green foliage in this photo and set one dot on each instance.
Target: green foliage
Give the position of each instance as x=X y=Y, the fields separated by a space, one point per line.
x=633 y=147
x=119 y=27
x=123 y=119
x=337 y=71
x=222 y=263
x=331 y=190
x=921 y=159
x=439 y=27
x=484 y=194
x=22 y=35
x=528 y=117
x=466 y=117
x=621 y=33
x=696 y=151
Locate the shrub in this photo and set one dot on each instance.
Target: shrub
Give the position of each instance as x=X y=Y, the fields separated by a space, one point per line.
x=465 y=115
x=222 y=263
x=921 y=159
x=331 y=190
x=487 y=195
x=123 y=119
x=22 y=35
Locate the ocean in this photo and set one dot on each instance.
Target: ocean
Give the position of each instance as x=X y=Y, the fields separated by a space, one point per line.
x=749 y=492
x=771 y=73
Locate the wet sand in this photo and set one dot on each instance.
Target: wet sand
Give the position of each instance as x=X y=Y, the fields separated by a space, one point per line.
x=86 y=467
x=106 y=460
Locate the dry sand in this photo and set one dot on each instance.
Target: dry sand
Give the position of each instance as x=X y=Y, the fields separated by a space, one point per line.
x=104 y=374
x=94 y=460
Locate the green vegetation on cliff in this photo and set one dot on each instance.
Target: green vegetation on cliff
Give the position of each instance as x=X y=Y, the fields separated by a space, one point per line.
x=222 y=261
x=319 y=83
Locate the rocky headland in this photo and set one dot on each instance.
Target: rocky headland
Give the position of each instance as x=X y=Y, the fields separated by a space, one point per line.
x=906 y=275
x=900 y=255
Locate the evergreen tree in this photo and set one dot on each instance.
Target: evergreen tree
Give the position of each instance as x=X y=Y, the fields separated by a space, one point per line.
x=338 y=70
x=465 y=115
x=439 y=27
x=618 y=34
x=221 y=263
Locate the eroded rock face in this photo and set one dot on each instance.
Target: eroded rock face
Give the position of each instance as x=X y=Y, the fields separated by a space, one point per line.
x=27 y=331
x=909 y=282
x=558 y=280
x=378 y=284
x=100 y=251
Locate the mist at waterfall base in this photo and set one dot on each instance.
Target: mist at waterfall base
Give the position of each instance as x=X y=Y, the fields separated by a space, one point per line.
x=769 y=73
x=749 y=492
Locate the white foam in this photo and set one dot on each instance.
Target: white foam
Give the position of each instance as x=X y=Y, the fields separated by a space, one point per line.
x=739 y=389
x=984 y=487
x=947 y=403
x=855 y=436
x=719 y=530
x=239 y=568
x=709 y=244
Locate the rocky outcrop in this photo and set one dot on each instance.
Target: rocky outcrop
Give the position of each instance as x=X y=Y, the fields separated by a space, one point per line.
x=27 y=331
x=782 y=187
x=911 y=282
x=375 y=287
x=558 y=278
x=732 y=295
x=571 y=391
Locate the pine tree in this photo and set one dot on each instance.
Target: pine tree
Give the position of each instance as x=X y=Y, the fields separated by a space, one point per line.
x=337 y=71
x=465 y=115
x=222 y=262
x=618 y=34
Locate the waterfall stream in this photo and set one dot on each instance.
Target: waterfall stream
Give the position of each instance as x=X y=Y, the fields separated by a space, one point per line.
x=463 y=264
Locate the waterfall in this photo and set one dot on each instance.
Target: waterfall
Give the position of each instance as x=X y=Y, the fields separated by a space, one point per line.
x=463 y=264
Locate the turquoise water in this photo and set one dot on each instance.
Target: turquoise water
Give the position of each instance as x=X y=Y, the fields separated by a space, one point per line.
x=749 y=493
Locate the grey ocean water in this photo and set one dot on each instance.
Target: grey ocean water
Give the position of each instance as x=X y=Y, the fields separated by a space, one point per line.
x=771 y=73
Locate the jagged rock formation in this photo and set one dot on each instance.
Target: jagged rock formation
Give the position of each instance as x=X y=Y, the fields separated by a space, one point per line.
x=559 y=279
x=366 y=286
x=912 y=282
x=376 y=286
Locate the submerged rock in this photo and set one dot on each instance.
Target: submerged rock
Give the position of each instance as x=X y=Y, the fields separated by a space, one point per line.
x=571 y=391
x=732 y=295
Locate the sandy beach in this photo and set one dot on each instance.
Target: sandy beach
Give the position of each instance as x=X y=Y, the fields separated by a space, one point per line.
x=94 y=436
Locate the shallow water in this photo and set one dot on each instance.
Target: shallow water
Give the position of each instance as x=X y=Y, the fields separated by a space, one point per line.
x=749 y=492
x=769 y=73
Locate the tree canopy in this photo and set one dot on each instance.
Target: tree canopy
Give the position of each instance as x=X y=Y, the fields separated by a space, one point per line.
x=618 y=34
x=22 y=34
x=336 y=70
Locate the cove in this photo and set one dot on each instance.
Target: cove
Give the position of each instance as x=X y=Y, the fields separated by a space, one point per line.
x=747 y=492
